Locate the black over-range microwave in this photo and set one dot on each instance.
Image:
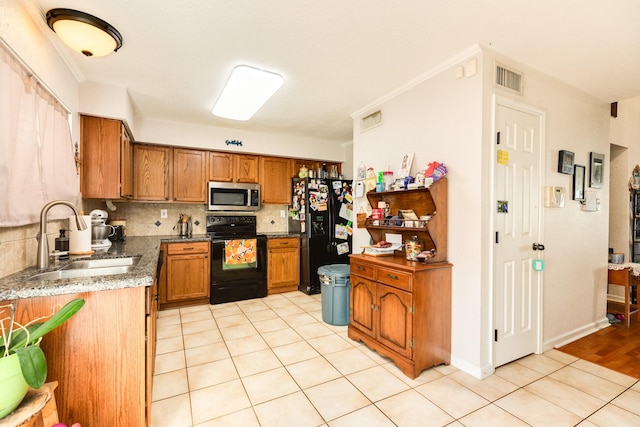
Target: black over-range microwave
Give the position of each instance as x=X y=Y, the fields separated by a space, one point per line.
x=230 y=196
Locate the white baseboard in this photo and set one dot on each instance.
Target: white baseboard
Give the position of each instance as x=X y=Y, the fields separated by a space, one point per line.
x=576 y=334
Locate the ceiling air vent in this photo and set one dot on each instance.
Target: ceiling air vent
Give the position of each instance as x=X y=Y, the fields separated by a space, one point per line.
x=372 y=120
x=509 y=79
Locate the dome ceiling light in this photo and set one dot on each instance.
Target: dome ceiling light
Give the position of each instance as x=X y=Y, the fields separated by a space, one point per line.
x=84 y=33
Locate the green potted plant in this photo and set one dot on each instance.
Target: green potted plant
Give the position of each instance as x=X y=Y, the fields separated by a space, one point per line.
x=22 y=361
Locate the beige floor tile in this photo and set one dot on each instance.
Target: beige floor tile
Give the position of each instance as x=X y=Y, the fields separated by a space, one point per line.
x=446 y=369
x=246 y=345
x=201 y=338
x=374 y=355
x=313 y=330
x=410 y=408
x=257 y=316
x=233 y=320
x=173 y=411
x=212 y=373
x=270 y=325
x=218 y=400
x=636 y=386
x=491 y=416
x=607 y=374
x=195 y=316
x=518 y=374
x=169 y=384
x=269 y=385
x=350 y=360
x=560 y=356
x=199 y=326
x=239 y=331
x=541 y=363
x=278 y=302
x=168 y=331
x=168 y=362
x=168 y=320
x=589 y=383
x=243 y=418
x=424 y=377
x=194 y=308
x=377 y=383
x=227 y=309
x=256 y=362
x=282 y=337
x=309 y=306
x=252 y=305
x=564 y=396
x=313 y=372
x=206 y=353
x=287 y=310
x=329 y=344
x=299 y=319
x=295 y=352
x=169 y=313
x=291 y=410
x=491 y=388
x=536 y=410
x=369 y=416
x=336 y=398
x=168 y=345
x=612 y=415
x=452 y=397
x=629 y=400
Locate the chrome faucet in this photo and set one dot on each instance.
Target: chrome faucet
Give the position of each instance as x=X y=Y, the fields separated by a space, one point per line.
x=43 y=243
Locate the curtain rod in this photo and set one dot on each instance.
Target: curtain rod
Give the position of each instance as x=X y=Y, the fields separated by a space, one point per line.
x=31 y=73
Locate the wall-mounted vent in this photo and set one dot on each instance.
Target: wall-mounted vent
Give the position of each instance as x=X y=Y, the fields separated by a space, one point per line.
x=509 y=79
x=372 y=120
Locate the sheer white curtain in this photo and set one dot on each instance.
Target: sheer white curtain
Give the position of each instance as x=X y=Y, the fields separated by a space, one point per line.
x=36 y=152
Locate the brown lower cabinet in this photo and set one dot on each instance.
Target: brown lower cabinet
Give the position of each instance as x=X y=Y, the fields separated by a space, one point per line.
x=185 y=276
x=402 y=309
x=102 y=357
x=283 y=264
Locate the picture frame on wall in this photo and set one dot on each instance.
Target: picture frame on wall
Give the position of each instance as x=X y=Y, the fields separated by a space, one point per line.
x=596 y=170
x=578 y=182
x=565 y=161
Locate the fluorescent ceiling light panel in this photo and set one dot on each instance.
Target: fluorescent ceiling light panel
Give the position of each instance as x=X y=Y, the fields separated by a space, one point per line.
x=246 y=91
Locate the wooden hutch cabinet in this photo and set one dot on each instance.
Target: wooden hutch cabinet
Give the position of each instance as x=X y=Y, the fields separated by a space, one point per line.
x=401 y=308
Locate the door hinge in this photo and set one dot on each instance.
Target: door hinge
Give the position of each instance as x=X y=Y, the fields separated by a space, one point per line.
x=411 y=343
x=411 y=309
x=495 y=335
x=498 y=138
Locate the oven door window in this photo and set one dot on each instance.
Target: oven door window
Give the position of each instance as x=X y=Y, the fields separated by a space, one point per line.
x=240 y=254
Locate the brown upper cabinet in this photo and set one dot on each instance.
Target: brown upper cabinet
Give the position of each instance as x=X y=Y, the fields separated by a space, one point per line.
x=189 y=175
x=229 y=167
x=151 y=165
x=275 y=180
x=106 y=159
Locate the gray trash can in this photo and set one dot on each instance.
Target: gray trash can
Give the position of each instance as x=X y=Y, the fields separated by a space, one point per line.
x=334 y=280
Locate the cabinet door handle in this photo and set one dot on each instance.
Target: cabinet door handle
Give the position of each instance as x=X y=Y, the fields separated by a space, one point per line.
x=360 y=268
x=391 y=276
x=188 y=249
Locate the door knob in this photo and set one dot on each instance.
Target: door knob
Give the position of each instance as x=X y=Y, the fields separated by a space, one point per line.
x=538 y=247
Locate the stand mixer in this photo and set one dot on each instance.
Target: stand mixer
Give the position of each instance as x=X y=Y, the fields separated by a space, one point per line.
x=100 y=231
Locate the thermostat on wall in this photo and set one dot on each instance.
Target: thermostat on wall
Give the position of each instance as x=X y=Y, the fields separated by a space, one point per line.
x=553 y=197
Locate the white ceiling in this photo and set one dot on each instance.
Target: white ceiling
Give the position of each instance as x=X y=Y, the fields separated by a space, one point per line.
x=338 y=56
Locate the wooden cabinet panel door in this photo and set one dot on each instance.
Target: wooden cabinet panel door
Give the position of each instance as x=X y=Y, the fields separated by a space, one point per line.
x=100 y=170
x=275 y=180
x=246 y=168
x=362 y=304
x=189 y=175
x=187 y=277
x=151 y=172
x=284 y=268
x=126 y=164
x=221 y=166
x=395 y=319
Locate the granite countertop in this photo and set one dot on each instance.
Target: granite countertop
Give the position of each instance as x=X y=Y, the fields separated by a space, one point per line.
x=17 y=286
x=280 y=235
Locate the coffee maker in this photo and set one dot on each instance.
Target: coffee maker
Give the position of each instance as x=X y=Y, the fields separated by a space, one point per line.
x=100 y=231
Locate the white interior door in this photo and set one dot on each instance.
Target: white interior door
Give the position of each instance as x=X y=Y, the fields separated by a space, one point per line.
x=517 y=286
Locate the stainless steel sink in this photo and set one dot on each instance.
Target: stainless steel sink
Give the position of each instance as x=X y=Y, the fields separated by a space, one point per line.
x=91 y=268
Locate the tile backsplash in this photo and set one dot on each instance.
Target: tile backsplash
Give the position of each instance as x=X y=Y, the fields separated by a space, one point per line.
x=18 y=245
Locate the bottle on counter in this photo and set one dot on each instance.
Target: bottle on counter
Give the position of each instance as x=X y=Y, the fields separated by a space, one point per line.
x=62 y=244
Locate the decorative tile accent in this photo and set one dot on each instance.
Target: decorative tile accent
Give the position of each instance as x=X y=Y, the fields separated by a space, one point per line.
x=158 y=223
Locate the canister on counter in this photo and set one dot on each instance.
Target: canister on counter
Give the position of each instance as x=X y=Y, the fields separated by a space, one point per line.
x=413 y=246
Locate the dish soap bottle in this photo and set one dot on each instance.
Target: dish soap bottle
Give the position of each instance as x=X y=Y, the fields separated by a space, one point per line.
x=62 y=244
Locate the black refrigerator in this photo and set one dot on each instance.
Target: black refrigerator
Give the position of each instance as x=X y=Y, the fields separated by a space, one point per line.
x=321 y=211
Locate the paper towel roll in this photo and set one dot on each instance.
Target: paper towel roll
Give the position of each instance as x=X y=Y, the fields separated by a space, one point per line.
x=79 y=241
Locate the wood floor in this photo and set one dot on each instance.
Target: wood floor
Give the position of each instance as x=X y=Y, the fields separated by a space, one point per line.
x=616 y=347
